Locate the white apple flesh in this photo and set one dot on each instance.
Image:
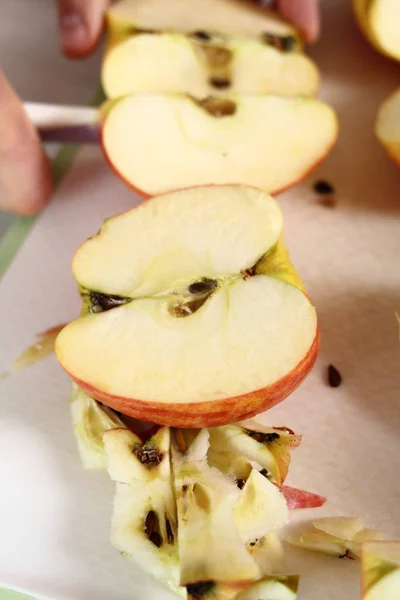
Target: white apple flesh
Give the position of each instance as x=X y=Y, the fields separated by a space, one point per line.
x=162 y=142
x=167 y=345
x=387 y=126
x=380 y=564
x=171 y=62
x=235 y=17
x=379 y=20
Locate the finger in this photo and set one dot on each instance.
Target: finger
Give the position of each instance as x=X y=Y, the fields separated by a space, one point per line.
x=304 y=14
x=81 y=25
x=25 y=180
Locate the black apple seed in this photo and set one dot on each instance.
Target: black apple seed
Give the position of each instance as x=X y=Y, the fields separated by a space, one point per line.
x=334 y=377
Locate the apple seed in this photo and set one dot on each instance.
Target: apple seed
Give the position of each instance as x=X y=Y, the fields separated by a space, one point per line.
x=285 y=43
x=203 y=36
x=200 y=589
x=218 y=107
x=263 y=438
x=148 y=455
x=334 y=377
x=99 y=302
x=202 y=286
x=220 y=83
x=150 y=525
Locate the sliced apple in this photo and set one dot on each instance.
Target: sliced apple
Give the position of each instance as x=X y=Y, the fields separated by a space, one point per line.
x=379 y=20
x=91 y=420
x=387 y=126
x=338 y=536
x=171 y=62
x=380 y=564
x=196 y=320
x=239 y=17
x=268 y=552
x=144 y=523
x=162 y=142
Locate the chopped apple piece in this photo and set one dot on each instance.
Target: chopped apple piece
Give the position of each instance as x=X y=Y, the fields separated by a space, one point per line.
x=339 y=536
x=268 y=552
x=380 y=564
x=344 y=528
x=162 y=142
x=379 y=20
x=387 y=126
x=226 y=16
x=266 y=446
x=197 y=317
x=170 y=62
x=210 y=546
x=261 y=508
x=144 y=523
x=91 y=420
x=275 y=587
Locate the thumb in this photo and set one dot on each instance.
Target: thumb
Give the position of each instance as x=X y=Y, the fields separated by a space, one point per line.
x=25 y=180
x=81 y=25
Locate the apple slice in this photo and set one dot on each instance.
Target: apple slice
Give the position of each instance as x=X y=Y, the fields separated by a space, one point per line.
x=268 y=552
x=379 y=20
x=90 y=421
x=171 y=62
x=225 y=16
x=144 y=523
x=162 y=142
x=274 y=587
x=338 y=536
x=196 y=315
x=387 y=126
x=380 y=564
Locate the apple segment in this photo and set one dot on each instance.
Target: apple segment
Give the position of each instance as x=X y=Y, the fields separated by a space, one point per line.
x=162 y=142
x=90 y=421
x=380 y=564
x=387 y=126
x=265 y=446
x=233 y=17
x=196 y=317
x=379 y=20
x=171 y=62
x=144 y=524
x=276 y=587
x=338 y=536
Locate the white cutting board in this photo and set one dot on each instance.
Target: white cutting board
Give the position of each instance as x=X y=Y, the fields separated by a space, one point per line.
x=54 y=516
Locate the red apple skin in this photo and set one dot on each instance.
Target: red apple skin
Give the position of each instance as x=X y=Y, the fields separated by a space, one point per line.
x=146 y=195
x=296 y=498
x=213 y=413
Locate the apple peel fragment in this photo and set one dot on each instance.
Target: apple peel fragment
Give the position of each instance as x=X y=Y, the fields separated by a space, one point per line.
x=297 y=498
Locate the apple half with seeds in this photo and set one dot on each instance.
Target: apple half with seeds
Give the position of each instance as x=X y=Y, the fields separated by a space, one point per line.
x=202 y=65
x=163 y=142
x=380 y=565
x=379 y=20
x=387 y=126
x=234 y=17
x=194 y=314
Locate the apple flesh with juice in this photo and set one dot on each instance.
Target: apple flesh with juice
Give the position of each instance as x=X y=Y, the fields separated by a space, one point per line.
x=163 y=142
x=379 y=20
x=195 y=316
x=380 y=565
x=233 y=17
x=202 y=65
x=387 y=126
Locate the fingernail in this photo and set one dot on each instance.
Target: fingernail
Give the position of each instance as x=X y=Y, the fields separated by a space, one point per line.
x=73 y=31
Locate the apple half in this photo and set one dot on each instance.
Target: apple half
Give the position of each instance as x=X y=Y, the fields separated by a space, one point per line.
x=194 y=314
x=379 y=20
x=203 y=65
x=162 y=142
x=387 y=126
x=233 y=17
x=380 y=565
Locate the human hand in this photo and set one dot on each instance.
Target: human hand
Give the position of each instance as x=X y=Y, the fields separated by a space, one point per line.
x=25 y=178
